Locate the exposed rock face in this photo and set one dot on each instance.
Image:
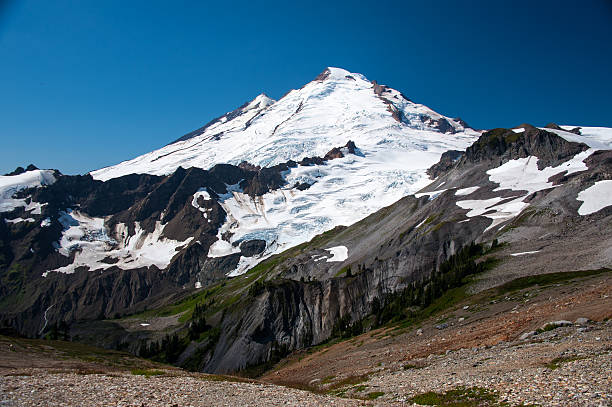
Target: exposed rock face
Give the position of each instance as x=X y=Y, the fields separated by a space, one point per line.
x=555 y=126
x=21 y=170
x=443 y=126
x=323 y=75
x=446 y=162
x=250 y=248
x=507 y=145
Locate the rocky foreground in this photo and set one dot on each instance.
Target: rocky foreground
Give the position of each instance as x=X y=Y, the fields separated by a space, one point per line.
x=546 y=346
x=570 y=366
x=72 y=389
x=579 y=373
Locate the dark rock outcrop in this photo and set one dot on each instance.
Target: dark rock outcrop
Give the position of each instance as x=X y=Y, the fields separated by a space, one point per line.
x=21 y=170
x=505 y=144
x=250 y=248
x=323 y=75
x=575 y=130
x=447 y=160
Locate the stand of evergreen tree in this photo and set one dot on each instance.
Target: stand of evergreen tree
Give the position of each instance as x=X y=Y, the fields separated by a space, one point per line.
x=395 y=307
x=197 y=324
x=168 y=350
x=422 y=293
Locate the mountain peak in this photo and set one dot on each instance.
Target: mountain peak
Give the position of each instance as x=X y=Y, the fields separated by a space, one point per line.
x=262 y=100
x=338 y=74
x=336 y=106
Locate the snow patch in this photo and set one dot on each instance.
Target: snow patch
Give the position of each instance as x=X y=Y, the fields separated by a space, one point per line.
x=465 y=191
x=18 y=220
x=524 y=253
x=519 y=130
x=523 y=174
x=339 y=253
x=421 y=223
x=35 y=208
x=201 y=193
x=595 y=197
x=432 y=195
x=599 y=138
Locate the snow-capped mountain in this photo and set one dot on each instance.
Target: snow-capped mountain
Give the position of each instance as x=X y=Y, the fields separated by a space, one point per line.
x=272 y=175
x=397 y=141
x=336 y=107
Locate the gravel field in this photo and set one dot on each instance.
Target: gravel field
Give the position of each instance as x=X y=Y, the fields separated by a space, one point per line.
x=68 y=389
x=570 y=366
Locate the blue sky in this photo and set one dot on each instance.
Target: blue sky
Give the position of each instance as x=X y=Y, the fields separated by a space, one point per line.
x=85 y=84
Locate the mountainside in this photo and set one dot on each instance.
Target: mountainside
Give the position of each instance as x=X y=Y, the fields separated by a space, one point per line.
x=282 y=224
x=396 y=141
x=553 y=214
x=258 y=180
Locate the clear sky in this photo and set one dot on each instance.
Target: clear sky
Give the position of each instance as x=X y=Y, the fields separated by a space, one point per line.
x=85 y=84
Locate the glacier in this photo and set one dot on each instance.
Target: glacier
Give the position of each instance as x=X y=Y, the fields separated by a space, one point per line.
x=397 y=141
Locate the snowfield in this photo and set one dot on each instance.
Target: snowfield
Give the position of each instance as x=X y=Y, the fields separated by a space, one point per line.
x=524 y=175
x=599 y=138
x=89 y=240
x=524 y=253
x=595 y=197
x=305 y=122
x=12 y=184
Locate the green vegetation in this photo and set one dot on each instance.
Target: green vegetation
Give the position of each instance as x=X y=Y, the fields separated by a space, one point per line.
x=547 y=279
x=346 y=271
x=147 y=372
x=327 y=379
x=168 y=350
x=197 y=324
x=461 y=397
x=194 y=362
x=374 y=395
x=499 y=136
x=277 y=352
x=343 y=328
x=14 y=281
x=409 y=366
x=557 y=362
x=349 y=381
